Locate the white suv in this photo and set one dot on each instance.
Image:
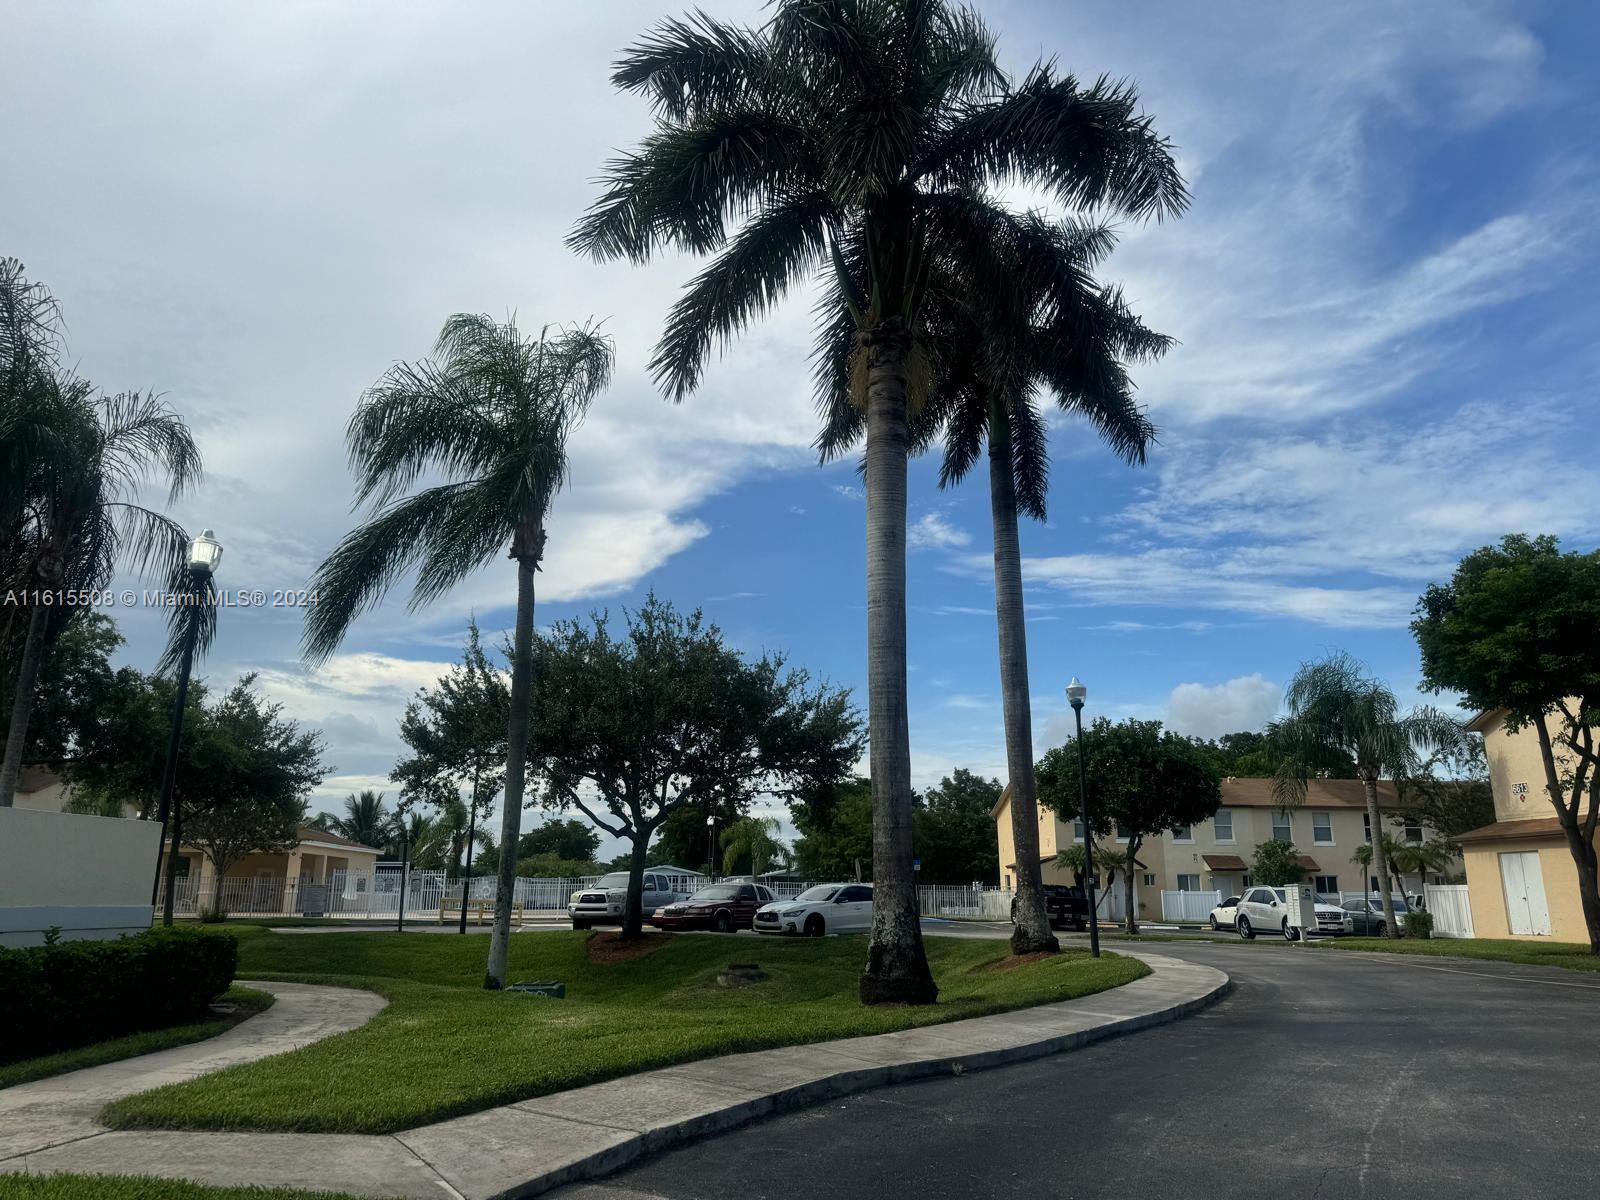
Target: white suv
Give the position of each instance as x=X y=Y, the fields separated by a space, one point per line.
x=1266 y=910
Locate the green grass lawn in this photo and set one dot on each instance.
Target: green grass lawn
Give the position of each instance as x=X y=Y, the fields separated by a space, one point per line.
x=444 y=1046
x=1574 y=956
x=248 y=1002
x=140 y=1187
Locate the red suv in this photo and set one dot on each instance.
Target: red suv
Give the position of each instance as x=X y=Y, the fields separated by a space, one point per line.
x=723 y=907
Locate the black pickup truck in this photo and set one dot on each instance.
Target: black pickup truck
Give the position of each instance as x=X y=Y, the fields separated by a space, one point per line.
x=1066 y=907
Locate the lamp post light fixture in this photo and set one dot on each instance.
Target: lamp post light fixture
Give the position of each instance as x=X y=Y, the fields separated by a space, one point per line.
x=1076 y=694
x=205 y=552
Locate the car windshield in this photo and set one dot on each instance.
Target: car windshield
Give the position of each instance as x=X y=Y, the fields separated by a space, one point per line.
x=816 y=895
x=721 y=891
x=617 y=879
x=1399 y=906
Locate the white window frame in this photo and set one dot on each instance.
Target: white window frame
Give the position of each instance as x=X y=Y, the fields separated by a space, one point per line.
x=1216 y=829
x=1326 y=827
x=1149 y=879
x=1330 y=891
x=1405 y=833
x=1079 y=830
x=1183 y=834
x=1194 y=886
x=1287 y=820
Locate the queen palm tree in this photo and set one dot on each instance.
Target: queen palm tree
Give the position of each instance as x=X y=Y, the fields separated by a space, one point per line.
x=491 y=413
x=989 y=357
x=1420 y=858
x=1337 y=712
x=80 y=524
x=366 y=819
x=865 y=126
x=755 y=838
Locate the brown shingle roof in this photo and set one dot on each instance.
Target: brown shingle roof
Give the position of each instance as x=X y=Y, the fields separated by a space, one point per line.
x=1224 y=862
x=310 y=833
x=1320 y=793
x=1509 y=831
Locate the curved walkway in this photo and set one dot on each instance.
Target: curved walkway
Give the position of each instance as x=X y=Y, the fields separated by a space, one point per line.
x=528 y=1147
x=63 y=1108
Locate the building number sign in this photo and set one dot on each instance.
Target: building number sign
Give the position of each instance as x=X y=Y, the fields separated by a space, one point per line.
x=1519 y=790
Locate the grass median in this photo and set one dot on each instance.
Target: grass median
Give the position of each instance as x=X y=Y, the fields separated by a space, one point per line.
x=1572 y=956
x=444 y=1046
x=236 y=1004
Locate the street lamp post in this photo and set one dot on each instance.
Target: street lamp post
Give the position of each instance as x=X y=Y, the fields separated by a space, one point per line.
x=711 y=846
x=1076 y=693
x=205 y=552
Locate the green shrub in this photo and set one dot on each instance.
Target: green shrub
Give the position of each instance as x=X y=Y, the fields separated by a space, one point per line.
x=1419 y=923
x=212 y=916
x=55 y=997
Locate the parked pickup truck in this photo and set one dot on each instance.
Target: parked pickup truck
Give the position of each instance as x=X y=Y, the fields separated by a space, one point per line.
x=1065 y=906
x=605 y=901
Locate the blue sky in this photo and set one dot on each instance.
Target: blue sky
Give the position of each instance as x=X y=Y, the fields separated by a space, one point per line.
x=1384 y=296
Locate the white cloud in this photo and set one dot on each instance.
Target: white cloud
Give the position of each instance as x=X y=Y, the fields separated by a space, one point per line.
x=1245 y=703
x=932 y=532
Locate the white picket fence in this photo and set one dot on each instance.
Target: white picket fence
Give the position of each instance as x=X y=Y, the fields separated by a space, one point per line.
x=1452 y=914
x=981 y=904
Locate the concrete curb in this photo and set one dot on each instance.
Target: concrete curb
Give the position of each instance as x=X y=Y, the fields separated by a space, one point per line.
x=531 y=1146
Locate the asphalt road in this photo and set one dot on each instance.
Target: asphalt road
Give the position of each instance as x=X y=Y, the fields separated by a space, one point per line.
x=1322 y=1074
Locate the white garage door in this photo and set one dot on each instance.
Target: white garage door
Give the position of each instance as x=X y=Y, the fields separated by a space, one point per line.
x=1526 y=910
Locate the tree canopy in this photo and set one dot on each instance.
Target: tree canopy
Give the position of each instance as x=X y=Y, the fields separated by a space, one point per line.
x=630 y=728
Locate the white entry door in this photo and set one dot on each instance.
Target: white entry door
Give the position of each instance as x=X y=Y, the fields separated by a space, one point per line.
x=1526 y=911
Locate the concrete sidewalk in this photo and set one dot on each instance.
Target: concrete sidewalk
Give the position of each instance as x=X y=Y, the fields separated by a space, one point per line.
x=528 y=1147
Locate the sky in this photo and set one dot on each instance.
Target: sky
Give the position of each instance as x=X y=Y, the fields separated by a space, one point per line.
x=1383 y=297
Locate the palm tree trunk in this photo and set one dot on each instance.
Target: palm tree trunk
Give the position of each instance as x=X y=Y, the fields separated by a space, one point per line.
x=22 y=704
x=1130 y=918
x=516 y=764
x=1032 y=933
x=1380 y=857
x=897 y=965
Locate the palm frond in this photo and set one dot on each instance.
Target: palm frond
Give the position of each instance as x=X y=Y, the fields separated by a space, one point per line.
x=1090 y=146
x=776 y=249
x=688 y=67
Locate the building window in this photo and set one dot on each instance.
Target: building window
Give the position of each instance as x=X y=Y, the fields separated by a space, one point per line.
x=1246 y=883
x=1372 y=884
x=1078 y=830
x=1117 y=830
x=1282 y=828
x=1149 y=880
x=1322 y=828
x=1326 y=885
x=1222 y=825
x=1183 y=833
x=1366 y=827
x=1008 y=883
x=1413 y=832
x=1188 y=883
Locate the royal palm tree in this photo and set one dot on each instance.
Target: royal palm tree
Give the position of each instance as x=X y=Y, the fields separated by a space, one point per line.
x=366 y=819
x=867 y=127
x=491 y=413
x=989 y=358
x=1337 y=712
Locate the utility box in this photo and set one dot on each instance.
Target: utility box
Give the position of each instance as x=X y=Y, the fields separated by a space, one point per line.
x=1302 y=908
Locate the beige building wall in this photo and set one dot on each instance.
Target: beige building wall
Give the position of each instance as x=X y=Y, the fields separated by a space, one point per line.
x=89 y=877
x=1516 y=769
x=1559 y=876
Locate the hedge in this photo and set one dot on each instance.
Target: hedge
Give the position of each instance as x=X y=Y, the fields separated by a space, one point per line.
x=73 y=993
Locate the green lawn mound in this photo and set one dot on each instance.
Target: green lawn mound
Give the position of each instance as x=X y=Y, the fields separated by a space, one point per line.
x=140 y=1187
x=444 y=1046
x=235 y=1005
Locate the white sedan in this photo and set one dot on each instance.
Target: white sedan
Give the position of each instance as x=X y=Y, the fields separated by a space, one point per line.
x=1224 y=914
x=825 y=908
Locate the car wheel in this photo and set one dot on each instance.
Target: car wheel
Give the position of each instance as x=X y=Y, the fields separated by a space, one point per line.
x=577 y=924
x=1245 y=932
x=724 y=922
x=815 y=925
x=1290 y=934
x=1380 y=930
x=1215 y=927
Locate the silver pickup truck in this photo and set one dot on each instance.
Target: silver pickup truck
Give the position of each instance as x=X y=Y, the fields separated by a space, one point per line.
x=604 y=902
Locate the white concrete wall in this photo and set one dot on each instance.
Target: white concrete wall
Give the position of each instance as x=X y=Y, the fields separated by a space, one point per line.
x=88 y=876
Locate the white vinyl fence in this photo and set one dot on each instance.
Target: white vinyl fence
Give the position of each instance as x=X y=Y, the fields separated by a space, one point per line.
x=1188 y=906
x=985 y=904
x=374 y=894
x=1452 y=915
